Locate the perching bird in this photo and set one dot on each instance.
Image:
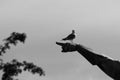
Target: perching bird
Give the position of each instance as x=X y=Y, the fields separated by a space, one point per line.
x=70 y=36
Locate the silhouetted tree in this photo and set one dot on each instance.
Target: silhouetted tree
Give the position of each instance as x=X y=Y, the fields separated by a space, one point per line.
x=109 y=66
x=14 y=67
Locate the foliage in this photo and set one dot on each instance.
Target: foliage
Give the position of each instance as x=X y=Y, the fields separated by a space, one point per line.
x=14 y=67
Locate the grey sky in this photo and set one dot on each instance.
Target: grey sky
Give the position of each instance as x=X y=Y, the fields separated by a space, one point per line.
x=96 y=22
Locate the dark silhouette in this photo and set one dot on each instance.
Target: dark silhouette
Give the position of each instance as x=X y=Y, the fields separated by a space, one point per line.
x=70 y=36
x=107 y=65
x=12 y=39
x=14 y=67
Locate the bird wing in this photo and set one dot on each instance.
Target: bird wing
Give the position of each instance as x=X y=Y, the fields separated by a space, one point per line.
x=69 y=37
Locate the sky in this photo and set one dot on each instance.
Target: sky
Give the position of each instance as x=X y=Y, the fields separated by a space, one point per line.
x=96 y=23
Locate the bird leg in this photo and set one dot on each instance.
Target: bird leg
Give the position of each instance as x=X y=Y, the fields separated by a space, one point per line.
x=71 y=41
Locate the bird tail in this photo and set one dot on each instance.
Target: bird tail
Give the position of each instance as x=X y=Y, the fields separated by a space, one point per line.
x=64 y=39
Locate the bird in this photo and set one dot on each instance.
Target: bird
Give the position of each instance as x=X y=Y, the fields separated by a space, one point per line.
x=70 y=37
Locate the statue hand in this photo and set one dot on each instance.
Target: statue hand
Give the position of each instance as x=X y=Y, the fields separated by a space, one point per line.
x=67 y=47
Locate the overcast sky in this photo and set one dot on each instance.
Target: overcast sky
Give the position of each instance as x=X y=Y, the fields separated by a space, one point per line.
x=96 y=22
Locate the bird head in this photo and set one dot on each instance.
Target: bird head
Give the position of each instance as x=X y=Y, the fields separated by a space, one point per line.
x=73 y=31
